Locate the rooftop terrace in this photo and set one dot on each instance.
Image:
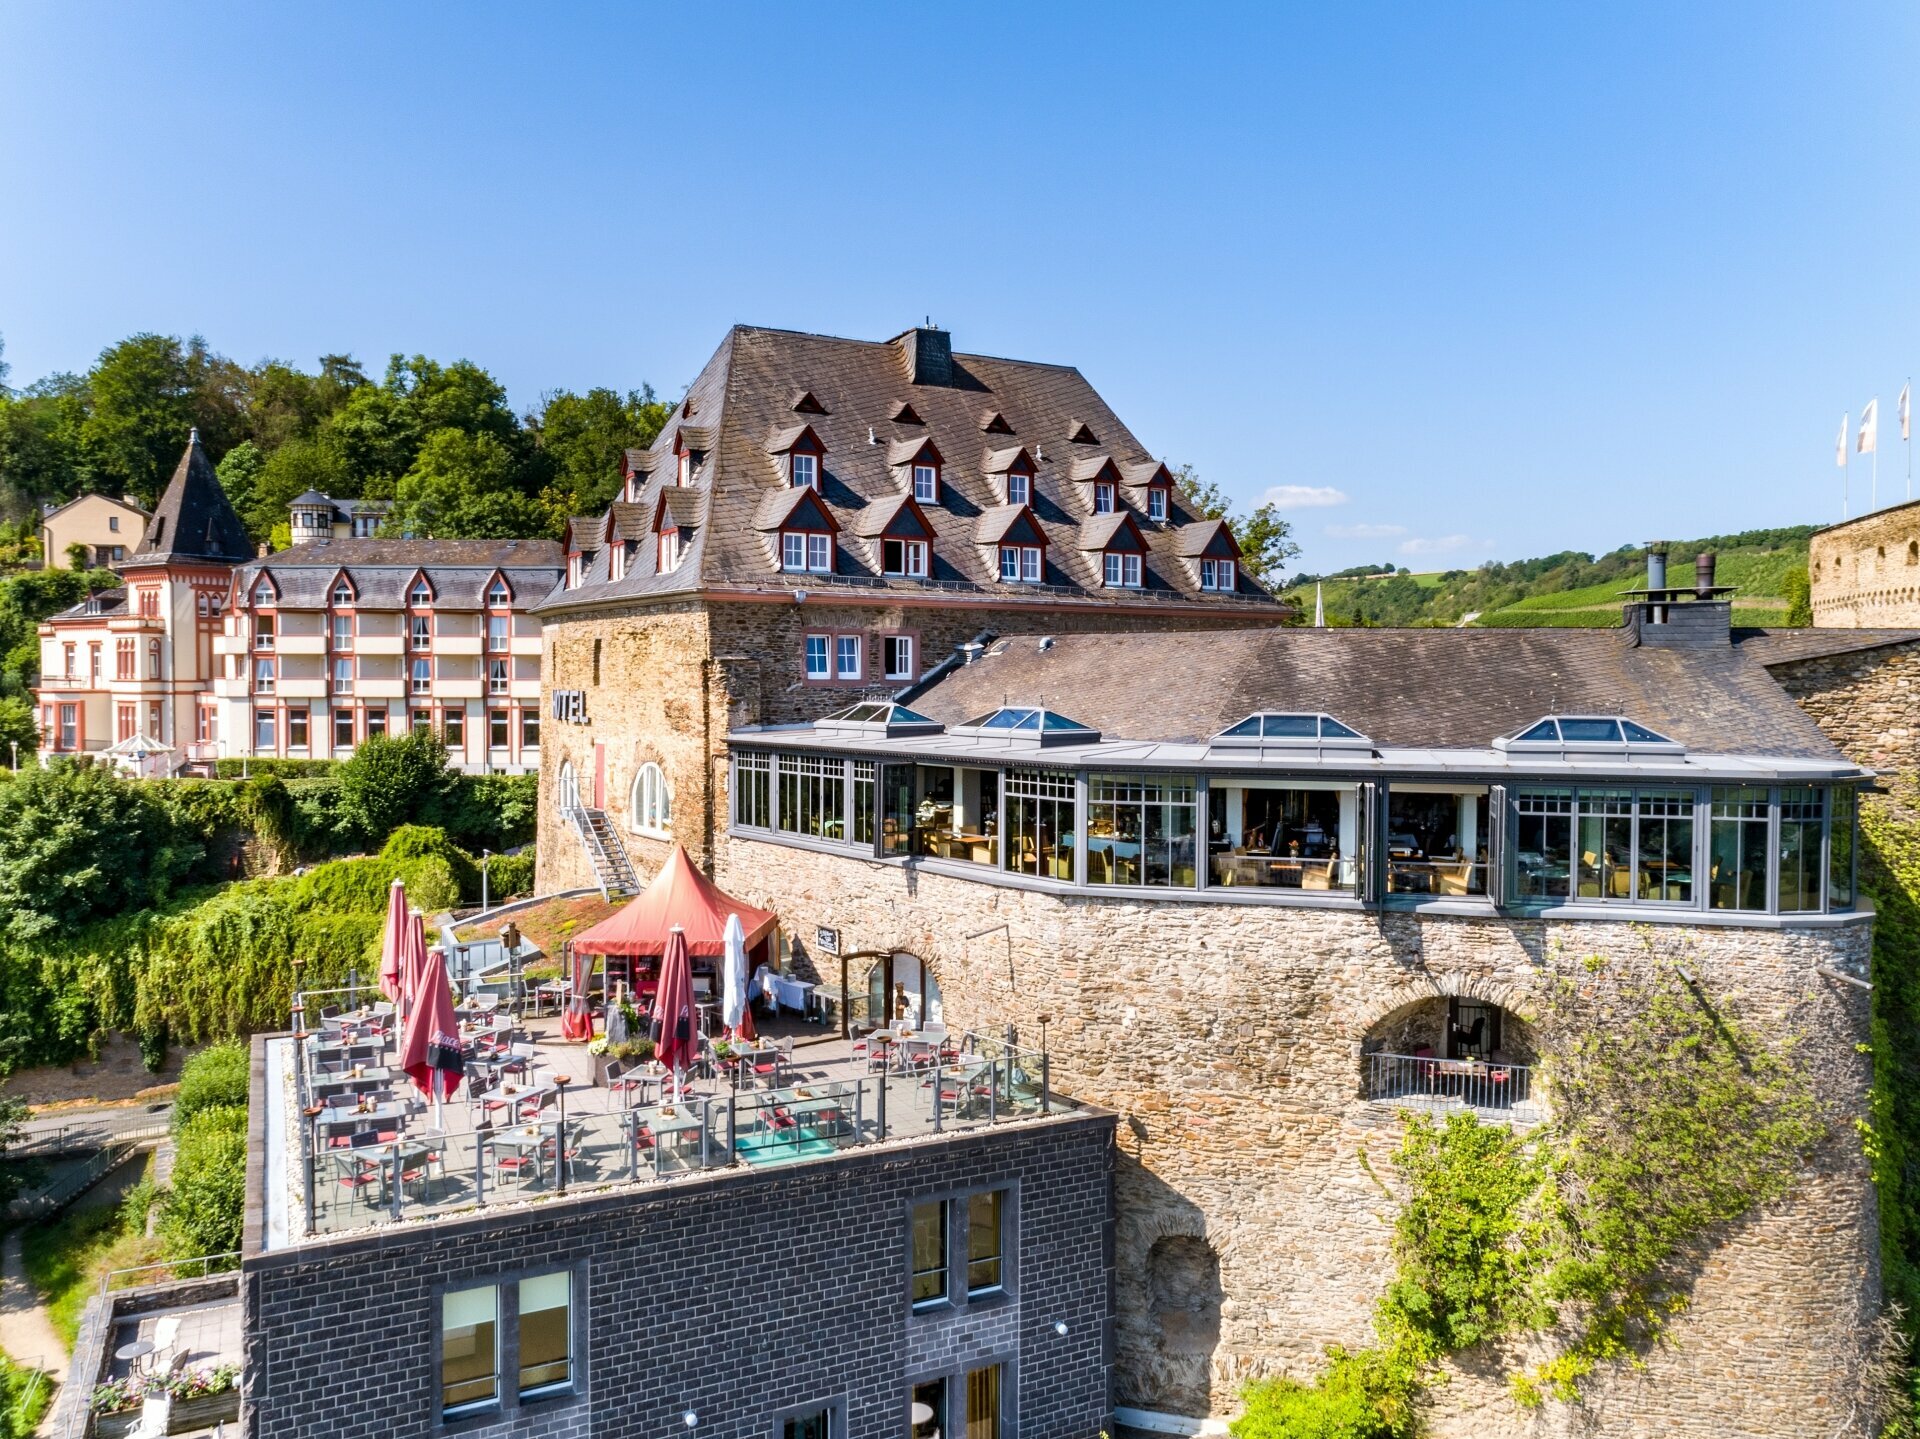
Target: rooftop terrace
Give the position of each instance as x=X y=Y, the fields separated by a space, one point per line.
x=351 y=1144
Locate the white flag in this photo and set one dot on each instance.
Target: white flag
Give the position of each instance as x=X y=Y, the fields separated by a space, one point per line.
x=1867 y=438
x=1840 y=446
x=1906 y=410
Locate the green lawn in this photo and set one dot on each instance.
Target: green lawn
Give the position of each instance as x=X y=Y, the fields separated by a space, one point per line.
x=65 y=1260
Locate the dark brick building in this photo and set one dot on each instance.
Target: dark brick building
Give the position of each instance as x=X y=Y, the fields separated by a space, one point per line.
x=725 y=1304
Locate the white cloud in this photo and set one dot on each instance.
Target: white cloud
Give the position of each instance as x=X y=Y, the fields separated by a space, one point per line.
x=1303 y=497
x=1365 y=532
x=1438 y=545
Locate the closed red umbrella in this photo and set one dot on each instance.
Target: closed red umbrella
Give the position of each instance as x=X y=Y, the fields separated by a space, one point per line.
x=413 y=958
x=675 y=1029
x=576 y=1020
x=430 y=1048
x=392 y=937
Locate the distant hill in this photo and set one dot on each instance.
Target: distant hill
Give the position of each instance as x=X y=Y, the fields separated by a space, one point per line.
x=1767 y=567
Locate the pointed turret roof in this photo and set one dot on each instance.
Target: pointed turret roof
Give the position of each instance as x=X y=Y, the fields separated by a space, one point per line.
x=194 y=519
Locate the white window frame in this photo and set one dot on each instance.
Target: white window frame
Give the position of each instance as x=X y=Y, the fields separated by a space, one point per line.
x=342 y=637
x=896 y=657
x=1103 y=498
x=1218 y=575
x=672 y=550
x=913 y=559
x=825 y=670
x=854 y=646
x=1156 y=502
x=420 y=594
x=417 y=683
x=342 y=684
x=819 y=552
x=1121 y=571
x=499 y=627
x=650 y=803
x=499 y=676
x=420 y=633
x=926 y=483
x=498 y=596
x=264 y=672
x=342 y=594
x=1019 y=488
x=1020 y=564
x=793 y=551
x=803 y=470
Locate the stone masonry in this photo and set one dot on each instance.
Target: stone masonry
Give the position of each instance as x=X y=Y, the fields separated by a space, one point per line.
x=1865 y=573
x=1867 y=701
x=734 y=1296
x=664 y=681
x=1229 y=1038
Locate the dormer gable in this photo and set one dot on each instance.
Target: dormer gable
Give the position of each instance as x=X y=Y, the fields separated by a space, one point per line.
x=995 y=423
x=1078 y=433
x=497 y=593
x=1013 y=470
x=1208 y=539
x=800 y=453
x=1115 y=533
x=341 y=590
x=903 y=413
x=1153 y=482
x=420 y=590
x=636 y=470
x=264 y=590
x=795 y=508
x=1101 y=479
x=1010 y=525
x=805 y=403
x=899 y=518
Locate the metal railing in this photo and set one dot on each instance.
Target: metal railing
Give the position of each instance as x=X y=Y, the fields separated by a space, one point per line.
x=1482 y=1085
x=168 y=1271
x=521 y=1149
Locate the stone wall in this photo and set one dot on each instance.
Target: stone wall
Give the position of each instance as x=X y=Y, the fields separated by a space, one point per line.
x=1229 y=1039
x=1865 y=573
x=664 y=682
x=1867 y=701
x=733 y=1295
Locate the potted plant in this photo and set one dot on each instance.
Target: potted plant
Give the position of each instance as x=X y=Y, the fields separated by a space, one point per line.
x=205 y=1395
x=116 y=1407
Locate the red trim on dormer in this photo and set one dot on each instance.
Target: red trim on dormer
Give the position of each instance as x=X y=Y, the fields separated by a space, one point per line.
x=498 y=577
x=417 y=578
x=265 y=577
x=923 y=527
x=811 y=503
x=333 y=584
x=1128 y=528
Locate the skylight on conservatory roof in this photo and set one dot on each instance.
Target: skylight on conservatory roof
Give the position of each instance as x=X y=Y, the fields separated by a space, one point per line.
x=1588 y=734
x=1269 y=727
x=878 y=717
x=1029 y=724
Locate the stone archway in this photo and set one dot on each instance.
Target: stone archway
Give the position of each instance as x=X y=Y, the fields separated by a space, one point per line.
x=1170 y=1298
x=1443 y=986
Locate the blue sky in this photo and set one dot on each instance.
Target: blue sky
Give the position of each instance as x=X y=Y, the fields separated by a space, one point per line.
x=1455 y=281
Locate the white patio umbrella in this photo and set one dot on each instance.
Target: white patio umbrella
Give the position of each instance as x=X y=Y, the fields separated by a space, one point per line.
x=734 y=975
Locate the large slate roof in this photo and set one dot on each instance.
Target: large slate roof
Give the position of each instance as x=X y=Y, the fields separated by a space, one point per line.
x=194 y=519
x=382 y=570
x=746 y=394
x=1414 y=688
x=1776 y=647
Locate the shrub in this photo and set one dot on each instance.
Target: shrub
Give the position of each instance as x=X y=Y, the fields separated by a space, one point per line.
x=390 y=779
x=204 y=1208
x=278 y=768
x=488 y=811
x=509 y=874
x=217 y=1075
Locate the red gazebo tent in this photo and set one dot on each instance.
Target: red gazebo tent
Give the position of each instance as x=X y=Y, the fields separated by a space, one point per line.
x=679 y=896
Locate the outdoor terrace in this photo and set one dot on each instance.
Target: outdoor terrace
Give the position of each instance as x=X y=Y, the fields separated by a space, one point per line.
x=352 y=1144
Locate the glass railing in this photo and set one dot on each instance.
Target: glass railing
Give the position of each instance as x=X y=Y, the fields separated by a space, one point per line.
x=364 y=1160
x=1329 y=874
x=1436 y=876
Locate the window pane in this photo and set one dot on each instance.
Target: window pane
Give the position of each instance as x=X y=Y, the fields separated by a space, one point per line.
x=929 y=1252
x=1737 y=873
x=1269 y=835
x=469 y=1348
x=928 y=1414
x=1140 y=830
x=983 y=1403
x=546 y=1331
x=812 y=1425
x=1543 y=844
x=1436 y=843
x=1840 y=851
x=1587 y=731
x=983 y=1241
x=1040 y=823
x=1802 y=819
x=1606 y=844
x=1666 y=846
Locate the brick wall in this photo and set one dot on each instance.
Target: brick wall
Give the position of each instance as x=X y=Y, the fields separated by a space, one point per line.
x=1229 y=1039
x=672 y=678
x=733 y=1295
x=1865 y=574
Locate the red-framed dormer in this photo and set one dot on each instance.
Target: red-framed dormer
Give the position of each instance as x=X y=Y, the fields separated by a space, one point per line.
x=903 y=540
x=1017 y=543
x=1153 y=483
x=635 y=470
x=1098 y=479
x=420 y=591
x=921 y=466
x=801 y=455
x=1012 y=470
x=1210 y=548
x=674 y=519
x=1119 y=550
x=804 y=530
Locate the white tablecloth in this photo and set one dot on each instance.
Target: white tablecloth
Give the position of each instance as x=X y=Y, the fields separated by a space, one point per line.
x=792 y=993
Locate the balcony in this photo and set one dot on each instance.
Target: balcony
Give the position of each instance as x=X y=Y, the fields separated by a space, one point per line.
x=1487 y=1088
x=527 y=689
x=128 y=624
x=458 y=644
x=302 y=687
x=224 y=644
x=460 y=689
x=302 y=644
x=380 y=689
x=528 y=645
x=380 y=644
x=232 y=689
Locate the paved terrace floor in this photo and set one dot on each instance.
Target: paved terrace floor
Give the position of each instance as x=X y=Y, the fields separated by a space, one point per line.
x=811 y=1094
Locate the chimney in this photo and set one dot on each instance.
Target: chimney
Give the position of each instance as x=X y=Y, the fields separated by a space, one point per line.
x=1703 y=576
x=262 y=551
x=1656 y=565
x=929 y=355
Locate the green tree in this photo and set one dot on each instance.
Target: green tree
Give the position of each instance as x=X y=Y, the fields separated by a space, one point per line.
x=40 y=443
x=296 y=467
x=208 y=1199
x=466 y=486
x=77 y=842
x=142 y=393
x=584 y=437
x=380 y=429
x=218 y=1075
x=1266 y=541
x=19 y=734
x=390 y=779
x=1799 y=597
x=239 y=474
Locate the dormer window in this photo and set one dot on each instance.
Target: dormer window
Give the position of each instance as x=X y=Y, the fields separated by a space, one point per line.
x=420 y=594
x=672 y=551
x=1020 y=564
x=806 y=552
x=263 y=593
x=631 y=491
x=343 y=593
x=926 y=483
x=1103 y=498
x=684 y=474
x=904 y=557
x=1019 y=488
x=1122 y=572
x=804 y=471
x=498 y=596
x=1219 y=575
x=1157 y=502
